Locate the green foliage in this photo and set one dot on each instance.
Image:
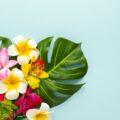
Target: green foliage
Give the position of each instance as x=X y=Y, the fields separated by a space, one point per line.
x=20 y=117
x=5 y=42
x=67 y=64
x=6 y=110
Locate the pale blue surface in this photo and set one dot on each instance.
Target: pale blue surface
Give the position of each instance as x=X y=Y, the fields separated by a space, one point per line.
x=97 y=25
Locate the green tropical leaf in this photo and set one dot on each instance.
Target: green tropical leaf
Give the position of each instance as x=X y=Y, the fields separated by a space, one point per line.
x=67 y=64
x=5 y=42
x=20 y=117
x=55 y=93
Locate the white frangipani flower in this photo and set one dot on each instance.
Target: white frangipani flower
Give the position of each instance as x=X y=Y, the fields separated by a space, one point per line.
x=13 y=84
x=39 y=114
x=24 y=48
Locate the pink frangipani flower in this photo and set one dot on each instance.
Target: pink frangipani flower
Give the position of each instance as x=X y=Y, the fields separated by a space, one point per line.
x=5 y=63
x=28 y=101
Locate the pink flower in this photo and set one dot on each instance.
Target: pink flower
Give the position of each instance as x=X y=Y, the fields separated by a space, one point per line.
x=5 y=63
x=28 y=101
x=2 y=96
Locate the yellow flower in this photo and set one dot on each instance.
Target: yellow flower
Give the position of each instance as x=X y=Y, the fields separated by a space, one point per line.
x=39 y=114
x=13 y=84
x=33 y=72
x=33 y=81
x=24 y=48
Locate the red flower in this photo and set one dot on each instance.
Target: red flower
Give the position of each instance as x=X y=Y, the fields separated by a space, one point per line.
x=28 y=101
x=2 y=96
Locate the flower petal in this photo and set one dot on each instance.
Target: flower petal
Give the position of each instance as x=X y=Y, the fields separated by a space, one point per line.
x=35 y=99
x=12 y=50
x=49 y=116
x=22 y=87
x=2 y=96
x=23 y=59
x=33 y=81
x=4 y=73
x=19 y=111
x=44 y=75
x=32 y=43
x=11 y=63
x=12 y=95
x=44 y=107
x=18 y=73
x=30 y=113
x=34 y=54
x=18 y=39
x=25 y=69
x=29 y=90
x=3 y=89
x=20 y=100
x=4 y=55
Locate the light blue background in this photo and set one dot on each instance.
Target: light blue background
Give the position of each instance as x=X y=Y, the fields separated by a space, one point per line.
x=95 y=23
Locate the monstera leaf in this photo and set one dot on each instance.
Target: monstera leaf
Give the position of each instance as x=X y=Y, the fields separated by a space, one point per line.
x=5 y=42
x=66 y=65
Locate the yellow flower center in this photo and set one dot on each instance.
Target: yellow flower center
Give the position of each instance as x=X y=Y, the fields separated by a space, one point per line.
x=40 y=116
x=12 y=82
x=23 y=47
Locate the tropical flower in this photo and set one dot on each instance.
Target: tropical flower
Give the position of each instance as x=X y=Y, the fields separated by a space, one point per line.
x=2 y=96
x=28 y=101
x=5 y=63
x=13 y=84
x=39 y=114
x=24 y=48
x=33 y=72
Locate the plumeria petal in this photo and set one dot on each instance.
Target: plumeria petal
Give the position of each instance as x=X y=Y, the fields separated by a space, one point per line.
x=34 y=53
x=12 y=50
x=32 y=43
x=50 y=116
x=18 y=39
x=23 y=59
x=11 y=63
x=4 y=55
x=34 y=114
x=12 y=95
x=22 y=87
x=44 y=107
x=30 y=113
x=4 y=73
x=18 y=73
x=3 y=89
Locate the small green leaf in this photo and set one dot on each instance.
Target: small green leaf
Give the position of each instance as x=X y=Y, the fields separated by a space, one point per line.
x=20 y=117
x=67 y=64
x=5 y=42
x=7 y=110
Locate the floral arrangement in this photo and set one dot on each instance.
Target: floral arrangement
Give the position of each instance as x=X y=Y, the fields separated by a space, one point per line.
x=32 y=81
